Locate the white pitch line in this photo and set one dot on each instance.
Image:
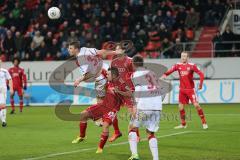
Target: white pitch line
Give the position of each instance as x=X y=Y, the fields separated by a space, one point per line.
x=230 y=114
x=93 y=148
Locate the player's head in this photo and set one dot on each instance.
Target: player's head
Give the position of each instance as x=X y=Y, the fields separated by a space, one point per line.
x=137 y=61
x=16 y=62
x=74 y=48
x=184 y=57
x=120 y=49
x=112 y=73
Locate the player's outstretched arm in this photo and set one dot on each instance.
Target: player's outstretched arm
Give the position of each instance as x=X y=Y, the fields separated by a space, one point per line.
x=104 y=53
x=10 y=83
x=170 y=71
x=201 y=75
x=83 y=78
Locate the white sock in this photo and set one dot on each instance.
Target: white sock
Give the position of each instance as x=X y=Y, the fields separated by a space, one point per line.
x=3 y=114
x=153 y=145
x=132 y=139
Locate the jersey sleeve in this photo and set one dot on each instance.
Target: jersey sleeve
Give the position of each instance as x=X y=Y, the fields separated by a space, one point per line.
x=7 y=75
x=171 y=70
x=88 y=51
x=197 y=70
x=83 y=69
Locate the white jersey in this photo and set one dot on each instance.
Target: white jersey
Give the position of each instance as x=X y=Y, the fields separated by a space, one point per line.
x=4 y=76
x=89 y=61
x=147 y=94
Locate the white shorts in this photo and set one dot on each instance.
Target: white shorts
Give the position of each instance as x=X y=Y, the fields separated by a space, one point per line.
x=3 y=95
x=148 y=119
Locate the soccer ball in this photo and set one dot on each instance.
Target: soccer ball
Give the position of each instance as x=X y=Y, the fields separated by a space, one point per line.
x=54 y=13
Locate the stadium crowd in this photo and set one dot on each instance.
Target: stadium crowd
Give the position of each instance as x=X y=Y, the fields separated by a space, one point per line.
x=153 y=25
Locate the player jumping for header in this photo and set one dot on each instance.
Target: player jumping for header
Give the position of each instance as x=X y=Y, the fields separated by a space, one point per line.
x=187 y=91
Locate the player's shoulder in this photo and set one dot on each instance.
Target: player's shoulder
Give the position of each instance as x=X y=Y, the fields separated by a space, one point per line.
x=4 y=70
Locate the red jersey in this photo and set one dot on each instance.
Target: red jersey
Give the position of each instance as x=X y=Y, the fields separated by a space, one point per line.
x=124 y=66
x=18 y=77
x=186 y=71
x=123 y=85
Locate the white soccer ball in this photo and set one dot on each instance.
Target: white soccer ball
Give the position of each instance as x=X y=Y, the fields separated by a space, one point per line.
x=54 y=13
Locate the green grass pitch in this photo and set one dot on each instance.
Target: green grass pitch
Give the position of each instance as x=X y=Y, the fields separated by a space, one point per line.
x=38 y=134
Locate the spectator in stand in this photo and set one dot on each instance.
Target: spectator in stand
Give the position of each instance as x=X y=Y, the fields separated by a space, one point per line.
x=19 y=43
x=217 y=43
x=169 y=20
x=64 y=50
x=164 y=33
x=72 y=37
x=228 y=38
x=54 y=48
x=180 y=18
x=9 y=45
x=48 y=39
x=48 y=57
x=37 y=39
x=159 y=18
x=192 y=19
x=167 y=52
x=43 y=50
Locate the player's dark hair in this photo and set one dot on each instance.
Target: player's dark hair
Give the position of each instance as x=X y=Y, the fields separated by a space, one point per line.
x=16 y=59
x=138 y=61
x=114 y=71
x=75 y=44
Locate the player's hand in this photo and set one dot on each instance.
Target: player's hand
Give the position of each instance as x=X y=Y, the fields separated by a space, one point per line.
x=11 y=92
x=76 y=82
x=199 y=87
x=116 y=90
x=25 y=87
x=163 y=76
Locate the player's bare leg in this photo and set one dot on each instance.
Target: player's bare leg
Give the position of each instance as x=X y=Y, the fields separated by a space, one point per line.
x=133 y=142
x=182 y=112
x=153 y=144
x=117 y=132
x=12 y=103
x=84 y=116
x=133 y=111
x=201 y=115
x=104 y=137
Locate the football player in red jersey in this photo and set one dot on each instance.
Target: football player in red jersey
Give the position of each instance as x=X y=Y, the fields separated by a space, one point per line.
x=105 y=109
x=19 y=83
x=187 y=91
x=125 y=69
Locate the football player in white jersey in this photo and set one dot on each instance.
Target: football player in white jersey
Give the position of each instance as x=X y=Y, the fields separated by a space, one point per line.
x=4 y=77
x=148 y=96
x=90 y=64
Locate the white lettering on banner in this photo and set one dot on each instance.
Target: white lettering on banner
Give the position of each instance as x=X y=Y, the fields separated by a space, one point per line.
x=236 y=21
x=213 y=91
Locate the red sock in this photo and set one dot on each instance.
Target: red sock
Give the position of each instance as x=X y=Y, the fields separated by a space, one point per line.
x=21 y=105
x=12 y=103
x=150 y=136
x=104 y=138
x=115 y=125
x=183 y=117
x=137 y=132
x=201 y=115
x=83 y=127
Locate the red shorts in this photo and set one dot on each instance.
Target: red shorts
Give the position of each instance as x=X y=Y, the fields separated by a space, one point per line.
x=19 y=90
x=187 y=94
x=109 y=117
